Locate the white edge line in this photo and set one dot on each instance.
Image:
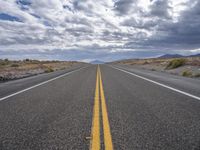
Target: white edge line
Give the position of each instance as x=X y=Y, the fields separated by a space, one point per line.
x=160 y=84
x=34 y=86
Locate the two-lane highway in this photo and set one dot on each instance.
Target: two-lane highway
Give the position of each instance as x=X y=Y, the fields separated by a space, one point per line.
x=102 y=108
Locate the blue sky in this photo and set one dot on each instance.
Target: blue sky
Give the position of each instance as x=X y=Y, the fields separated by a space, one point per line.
x=106 y=30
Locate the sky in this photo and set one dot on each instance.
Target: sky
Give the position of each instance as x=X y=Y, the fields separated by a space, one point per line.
x=107 y=30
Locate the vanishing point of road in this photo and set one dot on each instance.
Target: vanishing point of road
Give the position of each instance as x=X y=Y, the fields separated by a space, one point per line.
x=100 y=107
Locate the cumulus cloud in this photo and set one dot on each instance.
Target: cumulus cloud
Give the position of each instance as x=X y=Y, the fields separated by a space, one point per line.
x=161 y=9
x=106 y=30
x=123 y=7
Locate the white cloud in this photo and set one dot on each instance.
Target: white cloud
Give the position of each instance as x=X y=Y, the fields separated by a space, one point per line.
x=123 y=25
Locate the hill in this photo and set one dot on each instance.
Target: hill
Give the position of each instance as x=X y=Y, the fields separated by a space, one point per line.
x=171 y=56
x=177 y=56
x=97 y=62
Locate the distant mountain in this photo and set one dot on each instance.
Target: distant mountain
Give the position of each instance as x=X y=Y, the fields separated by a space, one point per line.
x=97 y=62
x=177 y=56
x=171 y=56
x=196 y=55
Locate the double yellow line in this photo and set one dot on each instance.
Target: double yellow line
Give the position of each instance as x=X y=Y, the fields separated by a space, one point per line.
x=95 y=135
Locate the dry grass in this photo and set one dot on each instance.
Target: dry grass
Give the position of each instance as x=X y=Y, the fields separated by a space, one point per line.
x=170 y=65
x=187 y=73
x=17 y=69
x=194 y=61
x=175 y=63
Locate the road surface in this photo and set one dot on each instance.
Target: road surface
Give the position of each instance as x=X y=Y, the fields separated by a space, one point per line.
x=106 y=107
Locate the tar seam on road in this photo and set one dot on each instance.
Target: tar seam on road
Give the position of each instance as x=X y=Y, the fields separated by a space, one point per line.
x=29 y=88
x=95 y=135
x=160 y=84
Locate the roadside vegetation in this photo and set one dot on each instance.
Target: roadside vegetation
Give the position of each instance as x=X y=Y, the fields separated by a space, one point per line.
x=197 y=75
x=186 y=66
x=187 y=73
x=49 y=70
x=175 y=63
x=12 y=69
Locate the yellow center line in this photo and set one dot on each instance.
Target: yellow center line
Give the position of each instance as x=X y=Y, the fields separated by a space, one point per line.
x=106 y=127
x=95 y=135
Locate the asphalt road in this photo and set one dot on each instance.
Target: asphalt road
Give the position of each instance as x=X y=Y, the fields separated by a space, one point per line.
x=107 y=109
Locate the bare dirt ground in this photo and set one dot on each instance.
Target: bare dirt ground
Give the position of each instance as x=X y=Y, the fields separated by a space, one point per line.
x=187 y=66
x=19 y=69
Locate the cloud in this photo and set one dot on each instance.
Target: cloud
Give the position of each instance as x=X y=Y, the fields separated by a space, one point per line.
x=123 y=7
x=160 y=9
x=107 y=29
x=182 y=34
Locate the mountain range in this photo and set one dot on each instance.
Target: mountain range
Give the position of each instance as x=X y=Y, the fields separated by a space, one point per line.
x=177 y=56
x=97 y=62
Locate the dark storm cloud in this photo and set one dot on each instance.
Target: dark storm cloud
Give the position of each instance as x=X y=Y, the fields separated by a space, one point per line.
x=182 y=34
